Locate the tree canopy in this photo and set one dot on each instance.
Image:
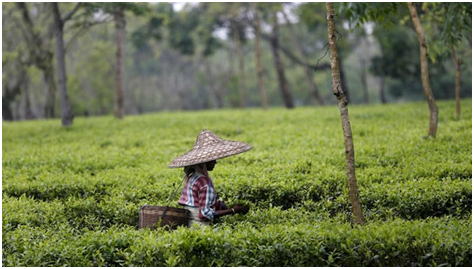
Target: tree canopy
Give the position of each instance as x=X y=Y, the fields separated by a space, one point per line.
x=202 y=55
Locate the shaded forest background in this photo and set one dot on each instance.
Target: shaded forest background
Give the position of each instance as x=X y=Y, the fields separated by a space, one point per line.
x=203 y=56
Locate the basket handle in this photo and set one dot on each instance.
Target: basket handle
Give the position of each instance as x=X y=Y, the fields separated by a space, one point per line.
x=171 y=198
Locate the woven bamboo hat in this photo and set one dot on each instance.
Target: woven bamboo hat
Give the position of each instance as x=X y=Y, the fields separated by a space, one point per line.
x=209 y=147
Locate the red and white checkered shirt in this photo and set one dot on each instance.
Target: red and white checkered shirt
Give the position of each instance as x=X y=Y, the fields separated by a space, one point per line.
x=199 y=192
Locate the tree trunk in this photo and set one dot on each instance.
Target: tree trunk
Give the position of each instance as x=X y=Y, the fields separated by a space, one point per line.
x=48 y=75
x=363 y=78
x=470 y=40
x=8 y=98
x=346 y=126
x=309 y=74
x=28 y=111
x=67 y=116
x=425 y=78
x=231 y=77
x=383 y=99
x=42 y=57
x=212 y=85
x=119 y=18
x=286 y=94
x=344 y=81
x=457 y=89
x=263 y=93
x=241 y=64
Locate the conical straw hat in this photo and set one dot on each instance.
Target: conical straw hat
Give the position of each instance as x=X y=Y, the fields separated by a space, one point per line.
x=209 y=147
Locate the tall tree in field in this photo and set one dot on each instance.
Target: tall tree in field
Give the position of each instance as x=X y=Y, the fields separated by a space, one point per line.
x=238 y=52
x=67 y=116
x=263 y=93
x=275 y=43
x=346 y=126
x=40 y=54
x=117 y=10
x=425 y=78
x=456 y=22
x=14 y=60
x=120 y=23
x=398 y=57
x=362 y=12
x=236 y=31
x=457 y=83
x=14 y=78
x=309 y=73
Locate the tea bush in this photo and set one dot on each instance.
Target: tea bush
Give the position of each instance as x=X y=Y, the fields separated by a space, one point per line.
x=430 y=242
x=70 y=196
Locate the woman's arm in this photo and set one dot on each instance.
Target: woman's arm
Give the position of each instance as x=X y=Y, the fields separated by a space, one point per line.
x=233 y=210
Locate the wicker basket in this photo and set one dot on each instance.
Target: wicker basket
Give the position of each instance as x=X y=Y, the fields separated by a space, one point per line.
x=150 y=216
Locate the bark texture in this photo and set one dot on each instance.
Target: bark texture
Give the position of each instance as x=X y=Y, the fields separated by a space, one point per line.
x=344 y=85
x=119 y=18
x=346 y=125
x=457 y=89
x=286 y=94
x=48 y=75
x=67 y=116
x=263 y=93
x=425 y=78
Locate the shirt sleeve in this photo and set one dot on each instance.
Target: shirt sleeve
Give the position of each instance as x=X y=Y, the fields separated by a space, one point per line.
x=207 y=199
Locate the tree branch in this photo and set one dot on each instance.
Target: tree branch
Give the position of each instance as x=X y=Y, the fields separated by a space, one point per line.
x=70 y=14
x=28 y=22
x=82 y=31
x=290 y=54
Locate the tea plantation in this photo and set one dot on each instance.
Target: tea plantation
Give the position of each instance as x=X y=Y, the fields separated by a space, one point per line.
x=71 y=196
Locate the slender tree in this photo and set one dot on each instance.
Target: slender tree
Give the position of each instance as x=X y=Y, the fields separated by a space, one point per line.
x=425 y=78
x=238 y=52
x=67 y=116
x=285 y=93
x=344 y=111
x=383 y=98
x=456 y=19
x=26 y=93
x=309 y=74
x=212 y=81
x=15 y=70
x=457 y=89
x=363 y=80
x=120 y=23
x=40 y=55
x=263 y=93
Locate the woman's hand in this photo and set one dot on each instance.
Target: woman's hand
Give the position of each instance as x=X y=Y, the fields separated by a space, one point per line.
x=241 y=209
x=233 y=210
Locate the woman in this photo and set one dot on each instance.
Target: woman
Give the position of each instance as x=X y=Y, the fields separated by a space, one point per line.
x=199 y=196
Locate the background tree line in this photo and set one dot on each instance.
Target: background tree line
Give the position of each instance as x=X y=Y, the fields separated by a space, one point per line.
x=126 y=58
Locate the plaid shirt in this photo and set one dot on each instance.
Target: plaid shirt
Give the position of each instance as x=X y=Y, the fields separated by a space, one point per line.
x=199 y=192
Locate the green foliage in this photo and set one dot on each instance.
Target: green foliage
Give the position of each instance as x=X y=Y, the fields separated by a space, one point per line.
x=444 y=24
x=185 y=31
x=359 y=13
x=400 y=61
x=454 y=19
x=70 y=197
